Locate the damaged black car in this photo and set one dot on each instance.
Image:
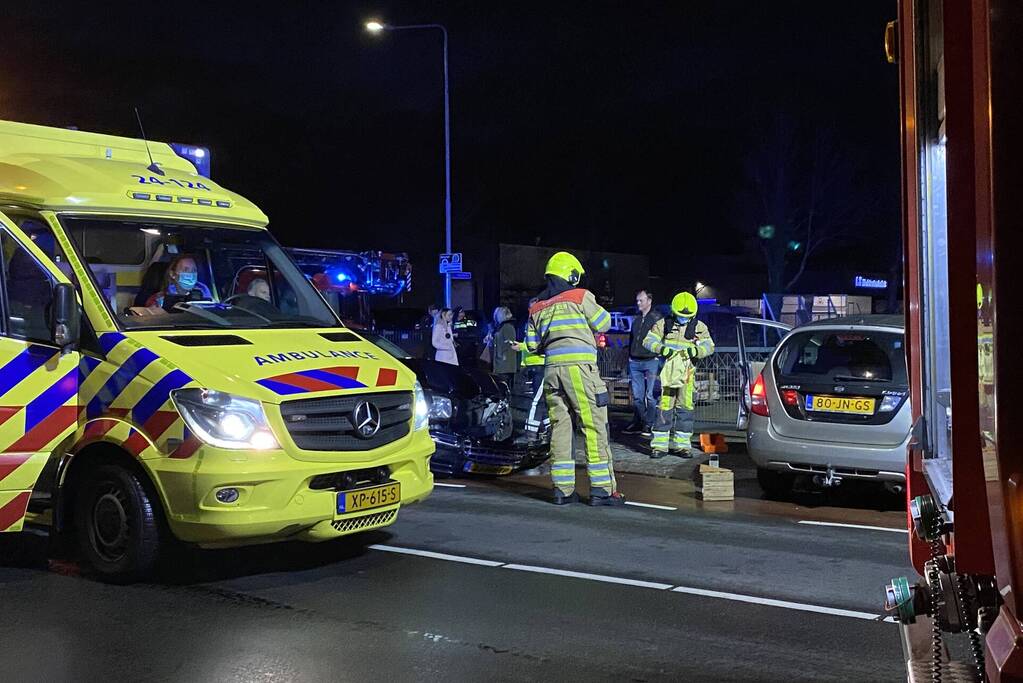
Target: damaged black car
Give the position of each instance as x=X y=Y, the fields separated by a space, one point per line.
x=479 y=424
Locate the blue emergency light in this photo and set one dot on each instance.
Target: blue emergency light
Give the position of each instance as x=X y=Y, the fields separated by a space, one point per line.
x=200 y=156
x=341 y=276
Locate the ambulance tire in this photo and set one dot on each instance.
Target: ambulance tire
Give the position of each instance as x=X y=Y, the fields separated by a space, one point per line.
x=775 y=485
x=119 y=525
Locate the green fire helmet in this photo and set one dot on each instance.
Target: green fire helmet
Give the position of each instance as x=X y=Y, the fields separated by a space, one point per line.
x=565 y=266
x=684 y=305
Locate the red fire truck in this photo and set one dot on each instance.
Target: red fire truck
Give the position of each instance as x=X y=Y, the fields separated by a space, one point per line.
x=961 y=82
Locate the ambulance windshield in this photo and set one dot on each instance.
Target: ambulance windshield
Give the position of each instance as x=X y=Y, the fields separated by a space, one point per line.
x=165 y=275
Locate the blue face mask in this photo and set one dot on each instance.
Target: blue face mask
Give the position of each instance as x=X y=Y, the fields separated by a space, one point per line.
x=187 y=280
x=682 y=320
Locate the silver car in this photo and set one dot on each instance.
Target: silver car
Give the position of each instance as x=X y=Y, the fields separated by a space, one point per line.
x=830 y=401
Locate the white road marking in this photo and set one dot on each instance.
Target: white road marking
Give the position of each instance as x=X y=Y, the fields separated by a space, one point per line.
x=638 y=583
x=436 y=556
x=854 y=526
x=650 y=505
x=449 y=486
x=589 y=577
x=803 y=607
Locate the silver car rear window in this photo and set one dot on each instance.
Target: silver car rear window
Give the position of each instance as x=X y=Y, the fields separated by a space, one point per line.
x=842 y=356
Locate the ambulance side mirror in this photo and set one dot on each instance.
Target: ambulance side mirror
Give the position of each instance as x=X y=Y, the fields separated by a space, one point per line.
x=66 y=323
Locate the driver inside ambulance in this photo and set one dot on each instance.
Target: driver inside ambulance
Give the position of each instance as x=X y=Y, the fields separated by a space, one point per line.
x=181 y=280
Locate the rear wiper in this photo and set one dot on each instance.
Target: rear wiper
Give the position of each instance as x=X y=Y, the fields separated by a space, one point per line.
x=851 y=378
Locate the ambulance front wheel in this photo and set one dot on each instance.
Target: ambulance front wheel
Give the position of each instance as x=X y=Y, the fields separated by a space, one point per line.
x=118 y=524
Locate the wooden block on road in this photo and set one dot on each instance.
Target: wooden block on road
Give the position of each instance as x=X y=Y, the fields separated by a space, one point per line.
x=714 y=483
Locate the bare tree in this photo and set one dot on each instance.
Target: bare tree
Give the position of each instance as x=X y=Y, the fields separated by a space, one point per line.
x=803 y=198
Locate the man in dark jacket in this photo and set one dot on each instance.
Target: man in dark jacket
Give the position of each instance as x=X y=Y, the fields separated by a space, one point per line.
x=643 y=366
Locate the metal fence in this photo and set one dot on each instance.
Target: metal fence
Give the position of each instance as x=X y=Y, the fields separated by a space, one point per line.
x=718 y=377
x=718 y=381
x=414 y=342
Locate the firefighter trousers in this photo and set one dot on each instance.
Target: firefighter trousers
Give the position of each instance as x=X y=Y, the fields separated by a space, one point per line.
x=577 y=395
x=536 y=419
x=673 y=429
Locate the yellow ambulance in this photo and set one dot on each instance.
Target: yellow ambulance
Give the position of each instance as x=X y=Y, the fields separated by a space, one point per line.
x=167 y=372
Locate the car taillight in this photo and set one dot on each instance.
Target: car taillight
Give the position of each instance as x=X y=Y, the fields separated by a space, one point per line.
x=758 y=398
x=790 y=397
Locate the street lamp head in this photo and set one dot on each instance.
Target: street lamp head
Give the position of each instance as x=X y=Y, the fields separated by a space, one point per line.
x=700 y=285
x=375 y=26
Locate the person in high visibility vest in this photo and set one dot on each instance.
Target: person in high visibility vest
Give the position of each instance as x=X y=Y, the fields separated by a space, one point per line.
x=562 y=324
x=532 y=368
x=680 y=341
x=537 y=420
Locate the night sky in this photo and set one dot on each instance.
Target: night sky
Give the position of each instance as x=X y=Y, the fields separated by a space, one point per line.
x=617 y=126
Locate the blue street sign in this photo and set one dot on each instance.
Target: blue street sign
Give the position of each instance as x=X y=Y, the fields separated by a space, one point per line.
x=450 y=263
x=461 y=276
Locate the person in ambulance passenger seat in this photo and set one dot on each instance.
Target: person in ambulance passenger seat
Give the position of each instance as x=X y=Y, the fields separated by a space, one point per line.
x=259 y=288
x=182 y=278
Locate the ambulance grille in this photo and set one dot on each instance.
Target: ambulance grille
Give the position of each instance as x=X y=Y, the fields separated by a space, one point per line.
x=365 y=522
x=325 y=424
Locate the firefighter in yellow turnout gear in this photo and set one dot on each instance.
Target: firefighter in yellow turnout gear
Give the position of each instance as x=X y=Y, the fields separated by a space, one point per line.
x=680 y=340
x=562 y=323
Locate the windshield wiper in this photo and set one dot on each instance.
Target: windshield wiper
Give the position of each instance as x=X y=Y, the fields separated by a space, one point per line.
x=173 y=328
x=197 y=310
x=852 y=378
x=252 y=313
x=295 y=323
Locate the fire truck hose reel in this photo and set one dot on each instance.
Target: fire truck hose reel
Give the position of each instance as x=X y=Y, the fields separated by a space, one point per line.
x=900 y=600
x=926 y=516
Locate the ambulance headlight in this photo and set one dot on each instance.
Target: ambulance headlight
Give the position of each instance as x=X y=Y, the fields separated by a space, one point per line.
x=223 y=420
x=422 y=408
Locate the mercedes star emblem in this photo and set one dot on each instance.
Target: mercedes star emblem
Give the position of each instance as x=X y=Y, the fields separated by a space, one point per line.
x=366 y=418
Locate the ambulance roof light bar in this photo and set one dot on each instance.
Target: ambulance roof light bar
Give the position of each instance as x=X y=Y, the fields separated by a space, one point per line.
x=199 y=156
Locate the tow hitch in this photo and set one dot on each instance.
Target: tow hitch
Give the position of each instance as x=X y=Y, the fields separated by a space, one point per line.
x=827 y=480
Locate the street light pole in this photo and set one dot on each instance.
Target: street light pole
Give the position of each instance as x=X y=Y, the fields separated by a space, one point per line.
x=377 y=27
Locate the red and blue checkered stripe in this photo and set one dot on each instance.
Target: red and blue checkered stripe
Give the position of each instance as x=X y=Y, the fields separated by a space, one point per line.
x=303 y=381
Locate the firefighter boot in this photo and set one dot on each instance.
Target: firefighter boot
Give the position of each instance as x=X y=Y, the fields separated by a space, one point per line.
x=614 y=500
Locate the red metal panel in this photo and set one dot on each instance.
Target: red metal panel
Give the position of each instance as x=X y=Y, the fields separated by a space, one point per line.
x=969 y=193
x=998 y=25
x=916 y=485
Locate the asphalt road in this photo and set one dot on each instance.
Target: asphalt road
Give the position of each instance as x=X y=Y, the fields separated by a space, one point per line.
x=489 y=582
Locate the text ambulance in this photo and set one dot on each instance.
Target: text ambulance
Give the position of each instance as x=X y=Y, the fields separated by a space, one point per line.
x=138 y=399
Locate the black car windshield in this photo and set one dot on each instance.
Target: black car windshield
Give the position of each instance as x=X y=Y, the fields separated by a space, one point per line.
x=161 y=275
x=836 y=356
x=385 y=344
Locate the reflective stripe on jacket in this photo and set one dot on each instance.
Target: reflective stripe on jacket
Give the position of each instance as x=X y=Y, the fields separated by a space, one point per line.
x=563 y=326
x=678 y=370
